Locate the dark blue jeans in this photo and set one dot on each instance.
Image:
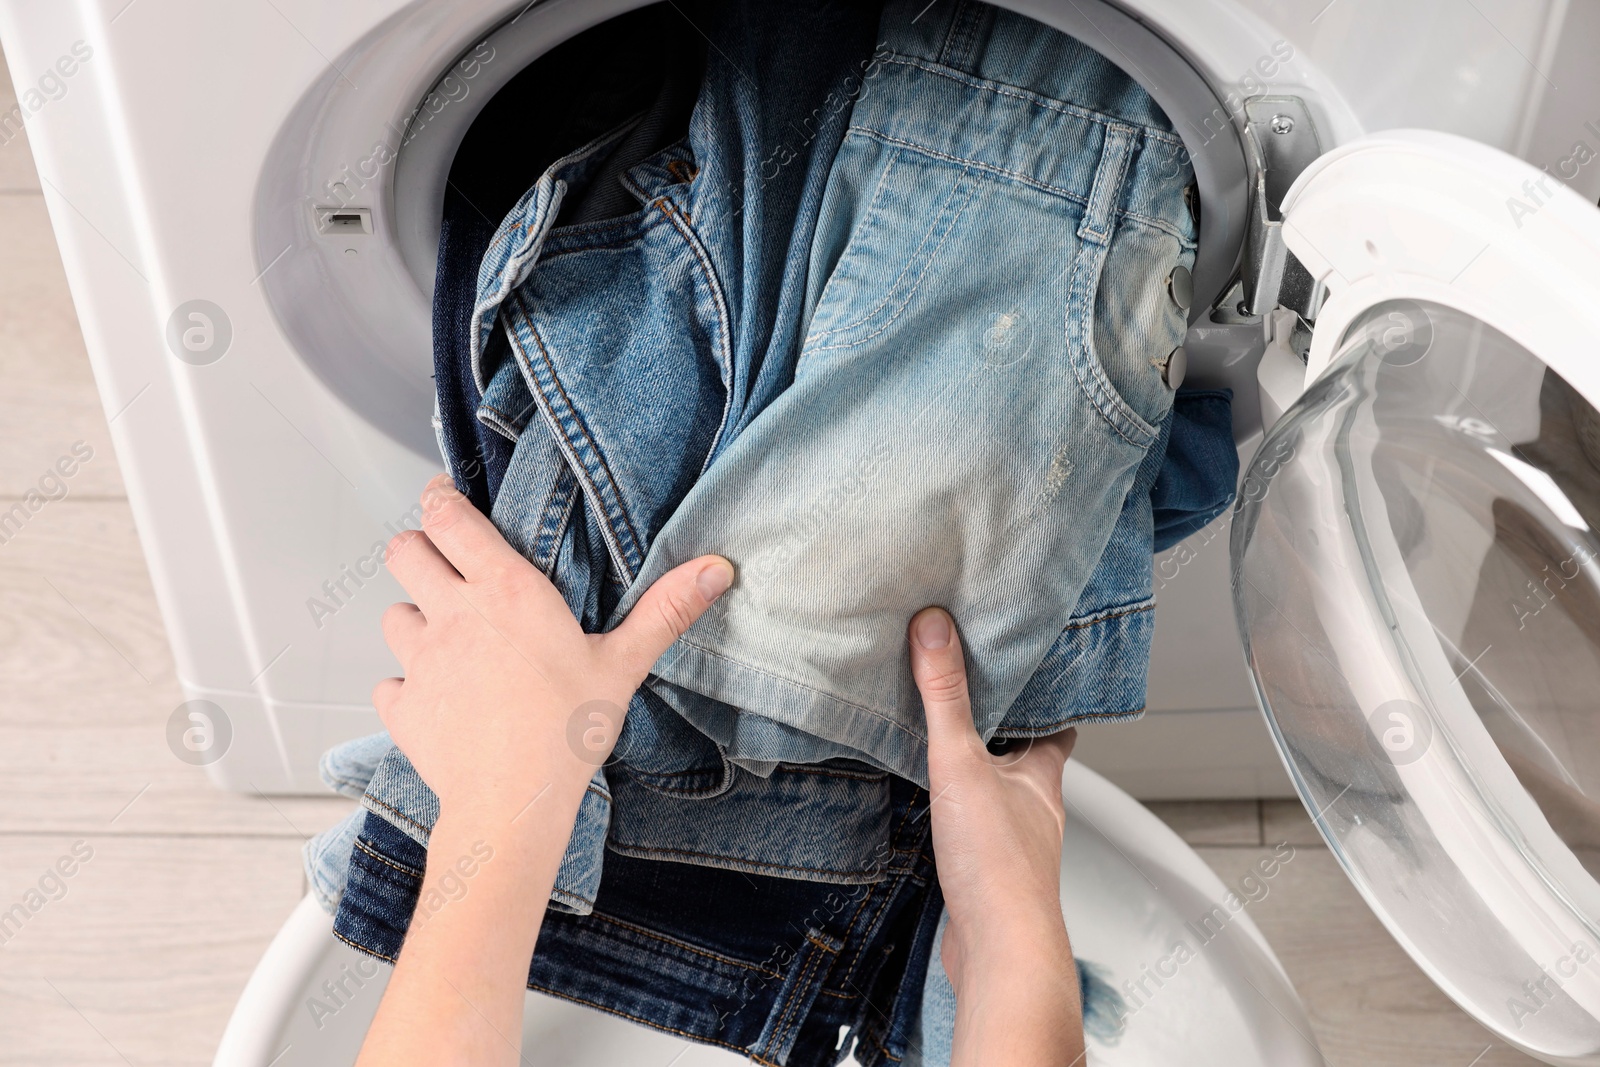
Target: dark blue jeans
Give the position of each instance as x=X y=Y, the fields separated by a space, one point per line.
x=769 y=967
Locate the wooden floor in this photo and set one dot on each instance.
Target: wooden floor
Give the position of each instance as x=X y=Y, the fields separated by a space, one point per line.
x=137 y=958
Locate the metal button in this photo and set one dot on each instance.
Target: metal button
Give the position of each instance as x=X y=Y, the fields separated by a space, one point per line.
x=1176 y=366
x=1181 y=285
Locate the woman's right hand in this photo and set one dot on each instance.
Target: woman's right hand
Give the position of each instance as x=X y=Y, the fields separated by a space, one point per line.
x=997 y=828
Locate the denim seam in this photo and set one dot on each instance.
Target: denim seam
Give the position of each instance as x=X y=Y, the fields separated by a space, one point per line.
x=1096 y=620
x=911 y=293
x=1001 y=89
x=1055 y=190
x=802 y=685
x=866 y=932
x=1021 y=732
x=397 y=813
x=883 y=1049
x=966 y=161
x=871 y=925
x=894 y=836
x=386 y=861
x=1085 y=359
x=653 y=780
x=632 y=1018
x=569 y=898
x=756 y=866
x=784 y=1026
x=363 y=948
x=685 y=946
x=554 y=517
x=725 y=326
x=656 y=782
x=623 y=240
x=961 y=35
x=500 y=422
x=823 y=952
x=791 y=1003
x=608 y=513
x=1110 y=178
x=863 y=776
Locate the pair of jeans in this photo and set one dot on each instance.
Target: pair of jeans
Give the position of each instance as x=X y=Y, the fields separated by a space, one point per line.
x=980 y=381
x=770 y=967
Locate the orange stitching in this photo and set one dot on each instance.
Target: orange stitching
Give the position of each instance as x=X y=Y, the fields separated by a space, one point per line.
x=792 y=1003
x=362 y=948
x=685 y=946
x=1107 y=618
x=718 y=856
x=364 y=847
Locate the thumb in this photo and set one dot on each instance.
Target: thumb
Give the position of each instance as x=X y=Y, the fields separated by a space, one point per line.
x=668 y=608
x=941 y=676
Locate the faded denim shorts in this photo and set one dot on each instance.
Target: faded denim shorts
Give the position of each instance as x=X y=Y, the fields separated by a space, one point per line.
x=980 y=380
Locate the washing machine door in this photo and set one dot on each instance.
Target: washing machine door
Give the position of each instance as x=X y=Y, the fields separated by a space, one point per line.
x=1417 y=570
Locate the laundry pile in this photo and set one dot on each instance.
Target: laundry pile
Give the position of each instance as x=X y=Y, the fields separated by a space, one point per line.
x=877 y=301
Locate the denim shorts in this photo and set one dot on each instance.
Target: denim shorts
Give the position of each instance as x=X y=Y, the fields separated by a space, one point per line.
x=980 y=381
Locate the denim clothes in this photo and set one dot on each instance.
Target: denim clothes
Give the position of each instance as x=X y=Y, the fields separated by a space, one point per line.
x=598 y=371
x=770 y=967
x=608 y=353
x=1094 y=669
x=979 y=383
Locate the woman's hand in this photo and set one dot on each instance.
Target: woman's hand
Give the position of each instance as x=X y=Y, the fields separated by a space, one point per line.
x=506 y=709
x=997 y=827
x=503 y=692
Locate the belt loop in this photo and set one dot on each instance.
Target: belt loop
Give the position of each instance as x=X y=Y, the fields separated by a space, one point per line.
x=962 y=37
x=1105 y=197
x=810 y=969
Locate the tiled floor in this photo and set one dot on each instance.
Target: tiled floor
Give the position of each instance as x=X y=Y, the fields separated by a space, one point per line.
x=138 y=956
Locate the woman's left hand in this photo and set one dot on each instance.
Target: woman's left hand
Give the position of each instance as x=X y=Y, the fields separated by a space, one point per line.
x=503 y=691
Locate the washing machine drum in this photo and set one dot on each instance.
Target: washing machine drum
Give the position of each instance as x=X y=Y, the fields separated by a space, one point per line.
x=1417 y=578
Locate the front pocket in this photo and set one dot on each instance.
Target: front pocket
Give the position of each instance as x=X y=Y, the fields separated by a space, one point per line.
x=1133 y=326
x=884 y=217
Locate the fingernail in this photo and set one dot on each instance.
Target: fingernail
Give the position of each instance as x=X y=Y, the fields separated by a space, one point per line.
x=714 y=579
x=932 y=630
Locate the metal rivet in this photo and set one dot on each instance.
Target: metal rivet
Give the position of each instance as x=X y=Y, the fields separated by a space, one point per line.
x=1181 y=285
x=1176 y=366
x=1282 y=124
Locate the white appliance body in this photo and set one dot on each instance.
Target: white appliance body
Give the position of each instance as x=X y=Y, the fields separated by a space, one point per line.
x=246 y=197
x=265 y=469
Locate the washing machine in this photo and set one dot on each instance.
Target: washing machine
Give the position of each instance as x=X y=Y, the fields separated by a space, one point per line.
x=248 y=198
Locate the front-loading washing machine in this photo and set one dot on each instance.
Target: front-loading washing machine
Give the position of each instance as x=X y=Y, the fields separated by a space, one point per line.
x=248 y=198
